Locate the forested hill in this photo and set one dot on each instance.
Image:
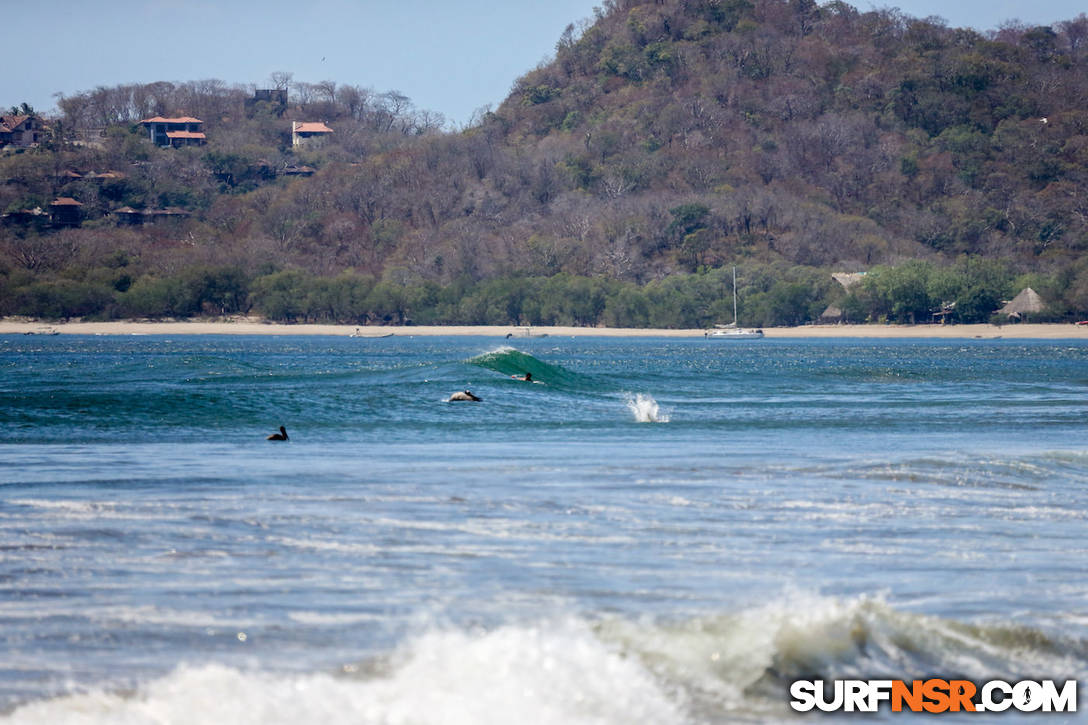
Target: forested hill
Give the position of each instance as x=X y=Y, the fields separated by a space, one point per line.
x=665 y=142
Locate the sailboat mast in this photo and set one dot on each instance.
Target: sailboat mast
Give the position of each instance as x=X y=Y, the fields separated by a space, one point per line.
x=734 y=296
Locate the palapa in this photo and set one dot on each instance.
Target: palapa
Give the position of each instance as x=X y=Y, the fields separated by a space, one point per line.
x=1028 y=301
x=833 y=313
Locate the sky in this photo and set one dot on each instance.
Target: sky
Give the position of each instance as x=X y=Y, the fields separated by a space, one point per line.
x=448 y=56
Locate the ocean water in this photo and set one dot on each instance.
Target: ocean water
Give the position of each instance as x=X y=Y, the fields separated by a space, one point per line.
x=657 y=531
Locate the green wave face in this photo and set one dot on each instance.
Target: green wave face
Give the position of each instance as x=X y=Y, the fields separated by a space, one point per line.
x=510 y=361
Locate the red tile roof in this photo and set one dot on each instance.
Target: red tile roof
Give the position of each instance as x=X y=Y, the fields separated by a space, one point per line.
x=10 y=123
x=301 y=127
x=65 y=201
x=182 y=119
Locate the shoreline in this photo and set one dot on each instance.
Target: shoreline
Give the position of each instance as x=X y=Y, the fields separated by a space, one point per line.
x=1022 y=331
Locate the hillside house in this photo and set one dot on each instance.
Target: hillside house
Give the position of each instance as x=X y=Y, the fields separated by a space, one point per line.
x=182 y=131
x=127 y=216
x=292 y=170
x=25 y=218
x=848 y=279
x=21 y=131
x=66 y=212
x=105 y=176
x=303 y=134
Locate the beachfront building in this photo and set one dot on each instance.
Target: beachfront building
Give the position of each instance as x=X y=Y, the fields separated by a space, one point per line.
x=1028 y=302
x=305 y=134
x=181 y=131
x=834 y=313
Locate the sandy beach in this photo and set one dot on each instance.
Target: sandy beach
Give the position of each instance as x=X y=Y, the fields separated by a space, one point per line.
x=251 y=326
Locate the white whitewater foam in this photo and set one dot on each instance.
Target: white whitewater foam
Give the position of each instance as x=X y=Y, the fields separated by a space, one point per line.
x=645 y=409
x=740 y=662
x=558 y=674
x=494 y=352
x=731 y=667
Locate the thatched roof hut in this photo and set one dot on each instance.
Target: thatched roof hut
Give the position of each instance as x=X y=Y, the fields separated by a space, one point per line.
x=848 y=279
x=1027 y=302
x=833 y=313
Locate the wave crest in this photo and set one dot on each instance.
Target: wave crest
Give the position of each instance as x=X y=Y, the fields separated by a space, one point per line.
x=510 y=361
x=730 y=667
x=744 y=662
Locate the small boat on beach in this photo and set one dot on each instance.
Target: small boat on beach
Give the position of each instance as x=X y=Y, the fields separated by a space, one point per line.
x=526 y=332
x=376 y=336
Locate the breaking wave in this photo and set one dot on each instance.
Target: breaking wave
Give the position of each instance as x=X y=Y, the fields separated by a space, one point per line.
x=734 y=667
x=509 y=361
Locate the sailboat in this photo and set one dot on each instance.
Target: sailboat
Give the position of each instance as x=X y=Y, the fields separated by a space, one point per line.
x=731 y=331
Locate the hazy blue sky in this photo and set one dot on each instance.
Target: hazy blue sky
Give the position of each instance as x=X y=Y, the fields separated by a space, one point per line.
x=447 y=56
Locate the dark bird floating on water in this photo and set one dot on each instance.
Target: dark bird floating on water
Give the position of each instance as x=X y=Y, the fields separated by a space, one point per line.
x=281 y=436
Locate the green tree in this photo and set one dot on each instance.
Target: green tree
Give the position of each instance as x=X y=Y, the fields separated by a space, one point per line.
x=281 y=295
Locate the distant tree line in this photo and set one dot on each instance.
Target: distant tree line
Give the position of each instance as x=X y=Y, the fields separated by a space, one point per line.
x=971 y=290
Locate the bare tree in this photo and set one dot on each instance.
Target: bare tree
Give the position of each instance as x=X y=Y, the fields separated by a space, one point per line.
x=281 y=80
x=326 y=90
x=353 y=99
x=1076 y=35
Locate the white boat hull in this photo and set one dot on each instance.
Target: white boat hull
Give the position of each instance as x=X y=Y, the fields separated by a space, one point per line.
x=739 y=334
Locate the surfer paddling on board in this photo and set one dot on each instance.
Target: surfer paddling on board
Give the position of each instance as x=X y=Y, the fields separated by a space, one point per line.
x=527 y=377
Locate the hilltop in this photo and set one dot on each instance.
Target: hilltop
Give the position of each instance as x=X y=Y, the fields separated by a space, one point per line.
x=665 y=142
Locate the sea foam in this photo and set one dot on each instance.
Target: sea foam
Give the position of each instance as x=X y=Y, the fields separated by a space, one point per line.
x=549 y=674
x=726 y=667
x=645 y=409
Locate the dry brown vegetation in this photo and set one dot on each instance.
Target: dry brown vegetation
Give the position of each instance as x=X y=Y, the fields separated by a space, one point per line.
x=665 y=142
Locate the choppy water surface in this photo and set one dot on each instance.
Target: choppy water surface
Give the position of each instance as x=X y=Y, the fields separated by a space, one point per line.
x=662 y=531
